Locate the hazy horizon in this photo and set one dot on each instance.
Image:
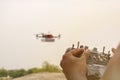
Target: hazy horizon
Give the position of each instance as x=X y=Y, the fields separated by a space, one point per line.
x=94 y=23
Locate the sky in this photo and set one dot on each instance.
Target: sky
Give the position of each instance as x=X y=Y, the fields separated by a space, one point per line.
x=95 y=23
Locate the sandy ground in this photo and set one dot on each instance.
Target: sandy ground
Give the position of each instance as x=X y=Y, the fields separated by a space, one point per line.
x=49 y=76
x=43 y=76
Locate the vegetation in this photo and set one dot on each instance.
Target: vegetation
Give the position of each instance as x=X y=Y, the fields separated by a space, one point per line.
x=46 y=67
x=3 y=72
x=17 y=73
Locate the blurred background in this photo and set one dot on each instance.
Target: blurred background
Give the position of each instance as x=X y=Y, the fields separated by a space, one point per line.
x=94 y=23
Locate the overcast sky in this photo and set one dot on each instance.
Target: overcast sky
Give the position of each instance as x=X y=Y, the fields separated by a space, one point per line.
x=95 y=23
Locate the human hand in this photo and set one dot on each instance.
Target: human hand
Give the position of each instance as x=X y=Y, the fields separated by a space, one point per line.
x=112 y=71
x=74 y=64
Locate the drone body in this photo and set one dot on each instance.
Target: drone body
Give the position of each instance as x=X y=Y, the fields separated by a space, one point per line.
x=47 y=37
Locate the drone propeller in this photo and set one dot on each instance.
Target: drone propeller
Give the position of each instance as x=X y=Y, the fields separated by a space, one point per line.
x=59 y=36
x=37 y=35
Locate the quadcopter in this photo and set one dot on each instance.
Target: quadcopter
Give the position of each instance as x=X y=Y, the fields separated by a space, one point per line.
x=47 y=37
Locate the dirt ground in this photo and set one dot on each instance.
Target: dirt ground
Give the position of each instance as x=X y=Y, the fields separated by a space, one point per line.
x=43 y=76
x=49 y=76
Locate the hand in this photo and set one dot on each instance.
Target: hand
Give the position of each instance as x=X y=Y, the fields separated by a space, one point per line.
x=112 y=71
x=74 y=64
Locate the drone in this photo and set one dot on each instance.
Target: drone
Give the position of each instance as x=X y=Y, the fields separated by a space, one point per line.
x=47 y=37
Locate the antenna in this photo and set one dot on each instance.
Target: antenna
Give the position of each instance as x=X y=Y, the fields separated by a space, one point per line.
x=78 y=44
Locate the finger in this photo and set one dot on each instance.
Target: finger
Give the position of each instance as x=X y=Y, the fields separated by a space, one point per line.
x=82 y=54
x=76 y=52
x=87 y=53
x=114 y=50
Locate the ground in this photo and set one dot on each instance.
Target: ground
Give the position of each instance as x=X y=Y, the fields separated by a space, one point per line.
x=43 y=76
x=49 y=76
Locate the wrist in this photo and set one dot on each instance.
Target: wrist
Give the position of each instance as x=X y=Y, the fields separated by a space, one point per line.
x=75 y=76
